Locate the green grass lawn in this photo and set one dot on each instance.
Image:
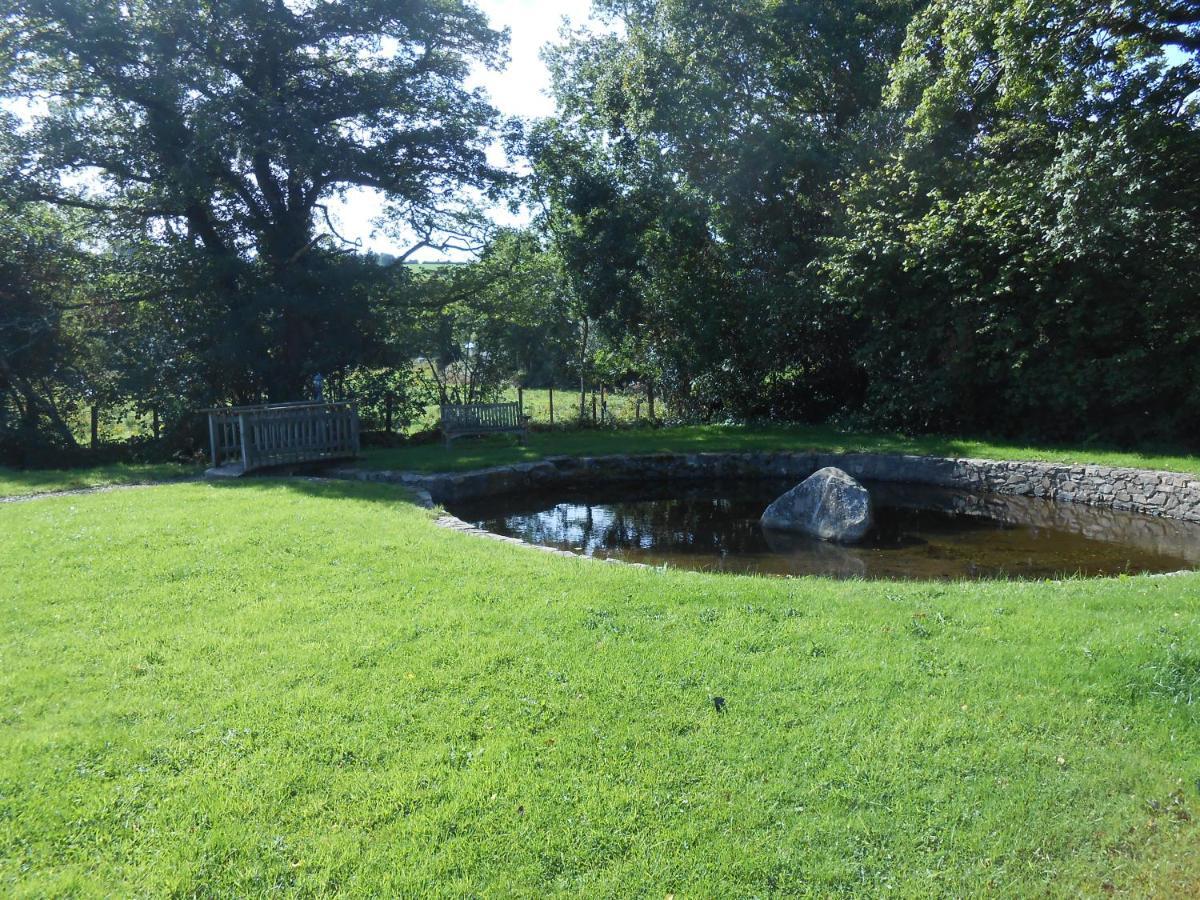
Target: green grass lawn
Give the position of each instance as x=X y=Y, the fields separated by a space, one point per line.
x=476 y=453
x=467 y=454
x=20 y=482
x=308 y=688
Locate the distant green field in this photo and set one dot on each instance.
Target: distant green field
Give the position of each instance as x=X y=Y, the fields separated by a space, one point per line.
x=621 y=409
x=116 y=424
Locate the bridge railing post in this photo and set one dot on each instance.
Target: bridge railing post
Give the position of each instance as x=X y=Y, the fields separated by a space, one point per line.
x=245 y=442
x=212 y=439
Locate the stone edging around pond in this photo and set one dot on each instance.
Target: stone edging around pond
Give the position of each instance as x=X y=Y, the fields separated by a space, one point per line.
x=1168 y=494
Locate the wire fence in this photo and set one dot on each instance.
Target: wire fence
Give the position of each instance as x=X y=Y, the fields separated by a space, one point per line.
x=546 y=406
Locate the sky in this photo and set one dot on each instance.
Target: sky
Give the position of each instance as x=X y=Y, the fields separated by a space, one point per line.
x=521 y=89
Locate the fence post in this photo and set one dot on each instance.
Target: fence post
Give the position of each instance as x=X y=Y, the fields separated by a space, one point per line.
x=154 y=423
x=603 y=405
x=95 y=426
x=521 y=401
x=551 y=403
x=650 y=398
x=594 y=407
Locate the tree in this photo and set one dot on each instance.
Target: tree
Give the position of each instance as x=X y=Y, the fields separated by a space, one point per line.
x=500 y=320
x=716 y=134
x=222 y=130
x=43 y=270
x=1022 y=256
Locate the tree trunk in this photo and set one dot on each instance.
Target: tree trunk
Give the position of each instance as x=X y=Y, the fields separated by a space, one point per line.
x=53 y=416
x=95 y=426
x=583 y=373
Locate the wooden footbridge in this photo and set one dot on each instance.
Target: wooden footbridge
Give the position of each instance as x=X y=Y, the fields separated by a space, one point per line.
x=246 y=438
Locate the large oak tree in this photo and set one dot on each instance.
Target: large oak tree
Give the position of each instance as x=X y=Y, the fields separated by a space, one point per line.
x=222 y=129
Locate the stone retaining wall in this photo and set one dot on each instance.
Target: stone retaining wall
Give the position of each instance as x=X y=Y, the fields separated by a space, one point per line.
x=1167 y=494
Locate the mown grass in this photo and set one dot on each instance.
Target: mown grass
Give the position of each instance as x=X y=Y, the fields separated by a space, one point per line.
x=307 y=688
x=467 y=454
x=479 y=452
x=21 y=482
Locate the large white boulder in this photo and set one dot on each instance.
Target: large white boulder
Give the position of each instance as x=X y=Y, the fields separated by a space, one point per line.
x=829 y=505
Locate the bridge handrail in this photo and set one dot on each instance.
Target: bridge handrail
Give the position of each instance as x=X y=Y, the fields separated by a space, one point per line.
x=255 y=437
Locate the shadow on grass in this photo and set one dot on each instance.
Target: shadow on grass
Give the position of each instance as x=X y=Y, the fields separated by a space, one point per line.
x=32 y=482
x=485 y=452
x=321 y=488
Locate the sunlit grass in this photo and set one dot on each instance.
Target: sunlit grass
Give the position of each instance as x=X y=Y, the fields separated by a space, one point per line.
x=474 y=453
x=468 y=453
x=18 y=482
x=308 y=688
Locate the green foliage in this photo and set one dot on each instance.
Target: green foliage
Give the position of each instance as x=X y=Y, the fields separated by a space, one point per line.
x=1025 y=258
x=214 y=137
x=975 y=216
x=778 y=210
x=503 y=320
x=43 y=365
x=691 y=176
x=385 y=397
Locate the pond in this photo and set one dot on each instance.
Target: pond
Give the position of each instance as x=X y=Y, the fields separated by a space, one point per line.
x=920 y=532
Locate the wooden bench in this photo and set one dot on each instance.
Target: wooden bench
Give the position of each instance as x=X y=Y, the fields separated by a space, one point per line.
x=473 y=419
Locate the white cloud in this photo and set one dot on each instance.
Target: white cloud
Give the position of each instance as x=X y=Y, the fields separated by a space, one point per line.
x=522 y=89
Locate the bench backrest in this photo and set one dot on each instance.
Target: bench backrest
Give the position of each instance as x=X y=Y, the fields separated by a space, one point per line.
x=482 y=416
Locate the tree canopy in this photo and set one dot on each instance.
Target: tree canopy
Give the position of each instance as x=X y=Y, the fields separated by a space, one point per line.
x=1024 y=251
x=222 y=130
x=920 y=214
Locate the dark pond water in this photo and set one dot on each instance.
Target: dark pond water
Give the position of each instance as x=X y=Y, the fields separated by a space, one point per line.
x=920 y=532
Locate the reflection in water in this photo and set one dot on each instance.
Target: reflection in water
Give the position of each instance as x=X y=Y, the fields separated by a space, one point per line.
x=920 y=532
